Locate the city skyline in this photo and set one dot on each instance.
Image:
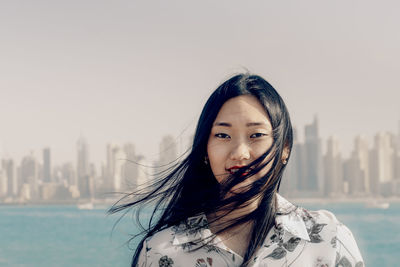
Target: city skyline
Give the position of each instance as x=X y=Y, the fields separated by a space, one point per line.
x=183 y=140
x=372 y=169
x=136 y=70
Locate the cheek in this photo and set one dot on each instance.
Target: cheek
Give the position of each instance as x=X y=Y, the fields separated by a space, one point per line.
x=267 y=167
x=215 y=152
x=216 y=157
x=259 y=148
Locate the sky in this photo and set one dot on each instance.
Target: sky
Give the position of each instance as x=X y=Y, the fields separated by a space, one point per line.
x=134 y=71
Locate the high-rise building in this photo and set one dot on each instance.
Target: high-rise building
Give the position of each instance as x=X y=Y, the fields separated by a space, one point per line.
x=46 y=165
x=360 y=183
x=382 y=163
x=143 y=172
x=384 y=149
x=398 y=137
x=168 y=150
x=292 y=177
x=9 y=171
x=397 y=158
x=68 y=174
x=3 y=184
x=313 y=159
x=116 y=159
x=82 y=169
x=29 y=170
x=333 y=173
x=130 y=168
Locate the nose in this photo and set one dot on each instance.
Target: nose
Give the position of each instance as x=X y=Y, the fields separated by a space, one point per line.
x=240 y=151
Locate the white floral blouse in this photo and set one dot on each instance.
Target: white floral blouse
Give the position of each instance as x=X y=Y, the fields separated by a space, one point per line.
x=300 y=238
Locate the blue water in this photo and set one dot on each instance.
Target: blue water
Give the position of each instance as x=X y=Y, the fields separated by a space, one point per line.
x=65 y=236
x=376 y=231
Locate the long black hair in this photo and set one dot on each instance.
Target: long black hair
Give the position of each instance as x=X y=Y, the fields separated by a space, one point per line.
x=190 y=188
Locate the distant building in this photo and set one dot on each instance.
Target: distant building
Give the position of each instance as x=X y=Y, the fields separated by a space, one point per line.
x=9 y=171
x=333 y=173
x=54 y=191
x=82 y=170
x=360 y=183
x=46 y=165
x=28 y=177
x=397 y=159
x=130 y=168
x=25 y=192
x=116 y=159
x=3 y=184
x=168 y=150
x=313 y=176
x=292 y=176
x=382 y=164
x=144 y=174
x=68 y=174
x=110 y=166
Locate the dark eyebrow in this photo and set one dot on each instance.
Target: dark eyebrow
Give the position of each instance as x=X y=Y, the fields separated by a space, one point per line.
x=223 y=124
x=226 y=124
x=255 y=124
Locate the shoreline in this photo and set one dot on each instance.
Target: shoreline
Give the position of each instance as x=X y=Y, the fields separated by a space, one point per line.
x=361 y=200
x=297 y=200
x=96 y=202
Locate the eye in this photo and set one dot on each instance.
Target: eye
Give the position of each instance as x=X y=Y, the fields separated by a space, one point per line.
x=257 y=135
x=222 y=135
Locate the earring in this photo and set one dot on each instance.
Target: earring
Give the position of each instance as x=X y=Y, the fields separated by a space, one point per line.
x=284 y=161
x=206 y=160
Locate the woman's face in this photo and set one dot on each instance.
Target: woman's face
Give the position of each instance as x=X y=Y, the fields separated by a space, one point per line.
x=240 y=134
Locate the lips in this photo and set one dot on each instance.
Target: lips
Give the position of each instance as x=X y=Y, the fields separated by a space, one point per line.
x=234 y=169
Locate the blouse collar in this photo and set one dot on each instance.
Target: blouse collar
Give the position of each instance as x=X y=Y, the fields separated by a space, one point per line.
x=195 y=229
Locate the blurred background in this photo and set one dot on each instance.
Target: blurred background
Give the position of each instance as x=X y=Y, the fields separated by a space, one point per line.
x=94 y=95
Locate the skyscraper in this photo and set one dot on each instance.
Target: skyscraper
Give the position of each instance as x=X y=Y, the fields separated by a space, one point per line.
x=333 y=173
x=168 y=150
x=382 y=163
x=82 y=169
x=46 y=165
x=9 y=172
x=143 y=172
x=130 y=168
x=397 y=159
x=68 y=174
x=313 y=159
x=360 y=183
x=3 y=184
x=292 y=177
x=116 y=158
x=29 y=177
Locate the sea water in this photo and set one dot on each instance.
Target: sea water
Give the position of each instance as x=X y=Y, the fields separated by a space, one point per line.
x=66 y=236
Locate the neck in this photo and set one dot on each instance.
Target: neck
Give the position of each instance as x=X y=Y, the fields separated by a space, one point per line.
x=235 y=237
x=227 y=215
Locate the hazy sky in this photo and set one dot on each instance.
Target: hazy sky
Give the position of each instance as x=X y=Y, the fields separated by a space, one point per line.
x=137 y=70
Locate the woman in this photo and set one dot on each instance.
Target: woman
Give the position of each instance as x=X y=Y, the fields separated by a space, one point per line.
x=220 y=206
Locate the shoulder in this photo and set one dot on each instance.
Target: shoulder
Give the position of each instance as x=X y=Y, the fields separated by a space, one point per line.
x=163 y=238
x=324 y=222
x=174 y=241
x=157 y=249
x=342 y=240
x=324 y=235
x=305 y=224
x=313 y=221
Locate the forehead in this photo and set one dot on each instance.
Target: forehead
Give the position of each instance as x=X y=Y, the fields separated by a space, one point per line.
x=244 y=108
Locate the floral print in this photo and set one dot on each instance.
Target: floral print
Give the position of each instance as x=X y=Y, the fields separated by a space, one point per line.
x=299 y=238
x=204 y=263
x=165 y=262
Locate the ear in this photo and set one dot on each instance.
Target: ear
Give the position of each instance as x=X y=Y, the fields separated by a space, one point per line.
x=285 y=153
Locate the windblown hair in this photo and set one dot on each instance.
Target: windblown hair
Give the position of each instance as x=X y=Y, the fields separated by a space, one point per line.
x=190 y=188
